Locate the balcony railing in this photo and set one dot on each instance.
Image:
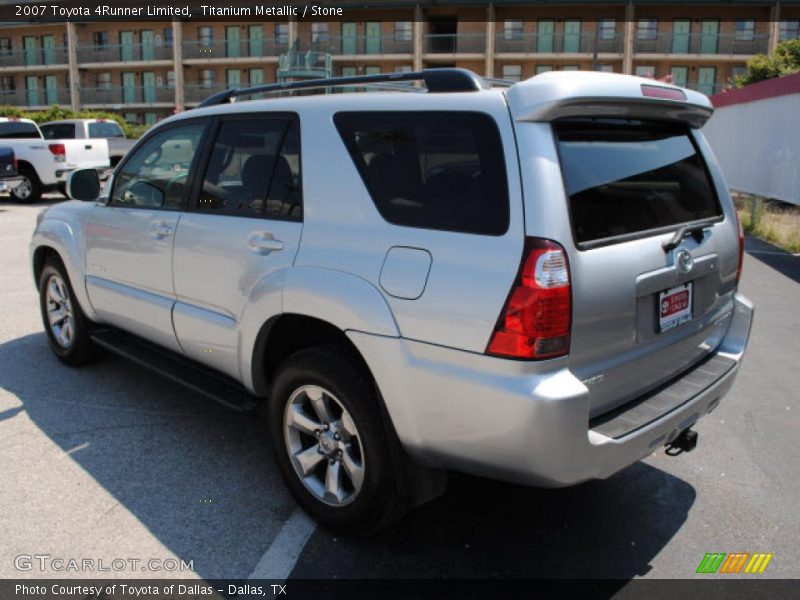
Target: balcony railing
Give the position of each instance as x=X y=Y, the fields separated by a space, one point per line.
x=566 y=43
x=454 y=43
x=35 y=97
x=295 y=64
x=123 y=53
x=34 y=57
x=127 y=95
x=709 y=89
x=699 y=43
x=199 y=92
x=242 y=48
x=358 y=45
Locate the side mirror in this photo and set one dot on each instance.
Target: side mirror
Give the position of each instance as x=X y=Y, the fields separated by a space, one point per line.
x=83 y=184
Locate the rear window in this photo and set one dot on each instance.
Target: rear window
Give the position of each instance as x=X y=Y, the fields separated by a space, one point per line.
x=625 y=177
x=431 y=170
x=58 y=131
x=105 y=129
x=13 y=129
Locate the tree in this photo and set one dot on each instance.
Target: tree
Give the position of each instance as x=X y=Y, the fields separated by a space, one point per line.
x=784 y=61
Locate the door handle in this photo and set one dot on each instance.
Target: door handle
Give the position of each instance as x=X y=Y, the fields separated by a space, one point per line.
x=159 y=230
x=264 y=243
x=87 y=147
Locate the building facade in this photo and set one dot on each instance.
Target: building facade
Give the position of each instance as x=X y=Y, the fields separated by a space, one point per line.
x=147 y=70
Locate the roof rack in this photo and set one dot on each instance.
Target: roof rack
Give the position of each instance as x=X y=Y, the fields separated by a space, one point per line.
x=436 y=80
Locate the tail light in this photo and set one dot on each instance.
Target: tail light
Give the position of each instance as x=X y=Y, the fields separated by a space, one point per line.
x=741 y=249
x=59 y=152
x=536 y=319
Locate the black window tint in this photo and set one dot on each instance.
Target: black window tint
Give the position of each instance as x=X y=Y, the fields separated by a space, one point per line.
x=285 y=199
x=433 y=170
x=156 y=175
x=625 y=177
x=105 y=129
x=242 y=163
x=14 y=129
x=58 y=131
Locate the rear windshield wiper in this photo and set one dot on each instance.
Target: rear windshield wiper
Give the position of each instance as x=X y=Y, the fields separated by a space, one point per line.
x=695 y=230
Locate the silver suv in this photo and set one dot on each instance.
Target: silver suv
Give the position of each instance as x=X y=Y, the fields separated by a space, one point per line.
x=533 y=282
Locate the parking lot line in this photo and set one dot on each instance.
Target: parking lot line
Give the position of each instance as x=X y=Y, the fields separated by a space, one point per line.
x=280 y=558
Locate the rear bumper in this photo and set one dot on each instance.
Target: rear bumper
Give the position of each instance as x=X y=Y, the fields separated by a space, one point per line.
x=8 y=184
x=522 y=422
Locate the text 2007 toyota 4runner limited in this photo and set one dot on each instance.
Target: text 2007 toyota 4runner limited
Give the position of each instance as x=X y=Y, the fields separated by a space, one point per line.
x=535 y=283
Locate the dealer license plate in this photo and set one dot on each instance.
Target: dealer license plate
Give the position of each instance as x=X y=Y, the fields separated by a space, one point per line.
x=675 y=307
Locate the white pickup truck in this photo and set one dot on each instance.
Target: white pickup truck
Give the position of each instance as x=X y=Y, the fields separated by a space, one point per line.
x=44 y=165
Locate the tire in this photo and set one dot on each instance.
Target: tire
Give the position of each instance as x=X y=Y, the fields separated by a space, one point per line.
x=328 y=374
x=30 y=190
x=70 y=337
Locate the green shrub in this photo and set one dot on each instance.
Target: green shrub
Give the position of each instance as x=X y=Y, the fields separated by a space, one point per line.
x=785 y=61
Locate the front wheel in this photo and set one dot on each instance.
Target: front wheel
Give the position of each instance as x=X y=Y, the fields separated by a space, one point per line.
x=67 y=328
x=330 y=442
x=30 y=189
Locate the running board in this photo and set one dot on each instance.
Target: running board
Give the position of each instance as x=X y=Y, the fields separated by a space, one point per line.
x=198 y=377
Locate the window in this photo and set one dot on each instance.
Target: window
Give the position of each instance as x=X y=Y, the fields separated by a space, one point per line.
x=319 y=32
x=281 y=33
x=100 y=39
x=208 y=78
x=543 y=69
x=738 y=72
x=103 y=81
x=168 y=37
x=403 y=69
x=745 y=30
x=58 y=131
x=605 y=68
x=105 y=129
x=512 y=72
x=571 y=68
x=170 y=80
x=156 y=175
x=372 y=70
x=648 y=71
x=403 y=31
x=19 y=129
x=630 y=176
x=433 y=170
x=512 y=29
x=131 y=118
x=5 y=46
x=647 y=29
x=150 y=118
x=789 y=30
x=206 y=36
x=608 y=29
x=8 y=84
x=254 y=169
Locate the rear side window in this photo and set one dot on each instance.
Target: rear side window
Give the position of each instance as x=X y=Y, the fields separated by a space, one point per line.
x=624 y=177
x=13 y=129
x=105 y=129
x=432 y=170
x=58 y=131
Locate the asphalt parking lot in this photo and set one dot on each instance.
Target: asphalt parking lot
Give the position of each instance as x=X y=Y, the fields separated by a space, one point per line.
x=111 y=461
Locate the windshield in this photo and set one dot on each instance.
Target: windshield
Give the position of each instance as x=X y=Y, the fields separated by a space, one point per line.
x=59 y=131
x=105 y=129
x=625 y=177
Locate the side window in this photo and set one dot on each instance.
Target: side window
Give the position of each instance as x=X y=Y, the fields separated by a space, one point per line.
x=156 y=175
x=432 y=170
x=254 y=169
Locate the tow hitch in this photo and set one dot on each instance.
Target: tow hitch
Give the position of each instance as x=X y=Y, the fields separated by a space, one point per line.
x=685 y=442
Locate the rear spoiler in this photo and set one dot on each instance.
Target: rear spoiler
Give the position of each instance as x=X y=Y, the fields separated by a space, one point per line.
x=560 y=95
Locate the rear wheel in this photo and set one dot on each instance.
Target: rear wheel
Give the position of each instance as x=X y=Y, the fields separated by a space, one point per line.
x=330 y=441
x=30 y=190
x=67 y=328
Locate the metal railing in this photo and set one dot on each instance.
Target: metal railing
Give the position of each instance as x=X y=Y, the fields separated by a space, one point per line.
x=198 y=92
x=35 y=97
x=89 y=53
x=558 y=43
x=34 y=57
x=242 y=48
x=454 y=43
x=127 y=95
x=699 y=43
x=362 y=44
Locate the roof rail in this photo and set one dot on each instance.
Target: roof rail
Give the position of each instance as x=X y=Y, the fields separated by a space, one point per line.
x=436 y=80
